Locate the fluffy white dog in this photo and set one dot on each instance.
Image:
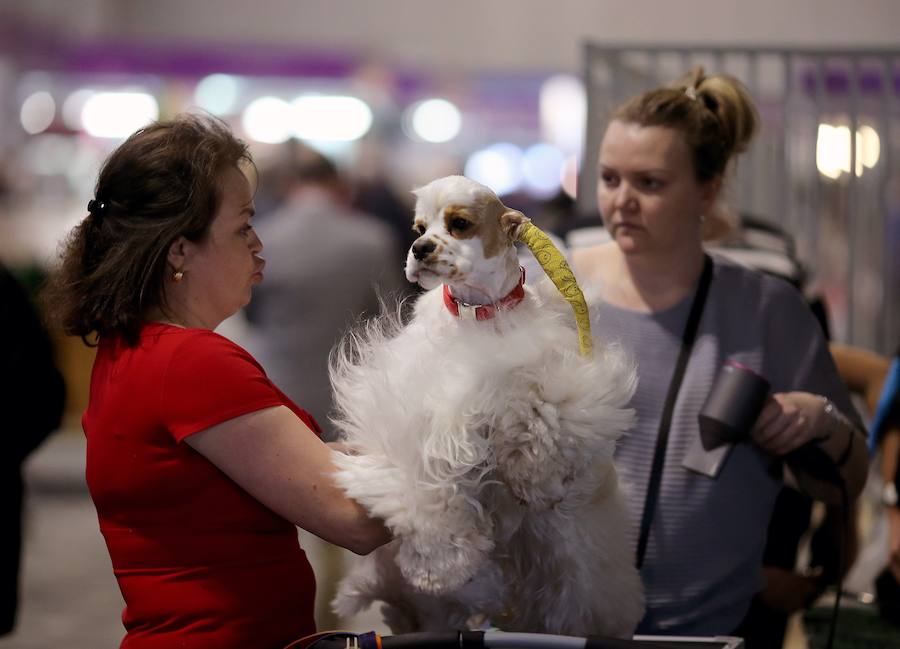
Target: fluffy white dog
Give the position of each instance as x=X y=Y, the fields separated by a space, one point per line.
x=485 y=442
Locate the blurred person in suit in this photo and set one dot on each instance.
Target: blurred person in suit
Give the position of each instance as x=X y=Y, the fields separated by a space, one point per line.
x=327 y=266
x=32 y=396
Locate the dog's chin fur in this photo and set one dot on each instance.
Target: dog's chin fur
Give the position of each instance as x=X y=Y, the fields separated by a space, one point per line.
x=424 y=277
x=487 y=449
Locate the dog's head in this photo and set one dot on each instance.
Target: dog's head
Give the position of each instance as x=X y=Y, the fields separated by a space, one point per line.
x=465 y=236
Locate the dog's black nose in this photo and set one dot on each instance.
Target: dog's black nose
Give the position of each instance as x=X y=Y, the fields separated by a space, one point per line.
x=421 y=249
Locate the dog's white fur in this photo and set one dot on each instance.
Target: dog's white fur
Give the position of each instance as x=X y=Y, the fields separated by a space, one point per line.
x=486 y=446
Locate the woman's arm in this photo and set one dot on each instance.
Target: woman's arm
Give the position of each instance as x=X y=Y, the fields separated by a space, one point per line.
x=790 y=420
x=862 y=370
x=278 y=460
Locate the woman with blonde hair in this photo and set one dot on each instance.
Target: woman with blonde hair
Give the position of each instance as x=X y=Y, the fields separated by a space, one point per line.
x=699 y=517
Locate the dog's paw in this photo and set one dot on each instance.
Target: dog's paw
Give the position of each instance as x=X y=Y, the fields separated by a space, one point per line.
x=532 y=460
x=400 y=619
x=440 y=565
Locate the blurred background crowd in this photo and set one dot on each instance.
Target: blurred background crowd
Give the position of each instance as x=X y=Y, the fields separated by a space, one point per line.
x=348 y=105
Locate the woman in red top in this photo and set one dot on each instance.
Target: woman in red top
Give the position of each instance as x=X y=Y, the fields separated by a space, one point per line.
x=198 y=465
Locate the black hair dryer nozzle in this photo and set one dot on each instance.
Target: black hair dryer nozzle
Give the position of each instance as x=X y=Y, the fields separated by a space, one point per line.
x=733 y=404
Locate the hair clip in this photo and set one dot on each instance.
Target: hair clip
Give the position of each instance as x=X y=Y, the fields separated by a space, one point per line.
x=96 y=208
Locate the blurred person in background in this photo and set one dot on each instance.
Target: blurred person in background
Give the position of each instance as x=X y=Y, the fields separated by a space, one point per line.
x=327 y=265
x=32 y=396
x=199 y=467
x=885 y=435
x=376 y=196
x=682 y=313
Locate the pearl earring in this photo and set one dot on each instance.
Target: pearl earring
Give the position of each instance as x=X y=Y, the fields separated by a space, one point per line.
x=177 y=276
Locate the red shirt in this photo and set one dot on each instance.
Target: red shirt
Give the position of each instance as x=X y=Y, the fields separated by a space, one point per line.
x=199 y=561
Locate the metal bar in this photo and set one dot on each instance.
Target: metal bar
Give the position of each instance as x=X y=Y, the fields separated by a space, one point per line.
x=747 y=198
x=815 y=222
x=655 y=66
x=782 y=180
x=851 y=203
x=583 y=193
x=719 y=61
x=748 y=49
x=889 y=264
x=618 y=82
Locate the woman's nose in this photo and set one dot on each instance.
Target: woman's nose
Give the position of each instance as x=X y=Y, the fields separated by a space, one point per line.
x=624 y=199
x=256 y=244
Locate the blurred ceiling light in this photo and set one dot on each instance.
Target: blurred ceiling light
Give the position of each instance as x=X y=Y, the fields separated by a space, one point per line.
x=217 y=93
x=563 y=110
x=542 y=167
x=435 y=120
x=498 y=166
x=118 y=114
x=268 y=119
x=37 y=112
x=72 y=107
x=330 y=118
x=833 y=150
x=832 y=147
x=868 y=147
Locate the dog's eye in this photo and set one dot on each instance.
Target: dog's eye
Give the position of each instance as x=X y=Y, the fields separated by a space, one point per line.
x=418 y=228
x=459 y=224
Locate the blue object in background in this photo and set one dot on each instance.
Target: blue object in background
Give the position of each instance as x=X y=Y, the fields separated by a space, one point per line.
x=888 y=410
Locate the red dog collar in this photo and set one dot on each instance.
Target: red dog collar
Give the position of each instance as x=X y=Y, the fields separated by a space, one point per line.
x=485 y=311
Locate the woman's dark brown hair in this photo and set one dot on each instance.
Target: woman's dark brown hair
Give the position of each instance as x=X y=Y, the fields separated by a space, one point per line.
x=161 y=183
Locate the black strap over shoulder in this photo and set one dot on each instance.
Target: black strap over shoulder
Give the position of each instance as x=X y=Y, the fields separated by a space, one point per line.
x=665 y=421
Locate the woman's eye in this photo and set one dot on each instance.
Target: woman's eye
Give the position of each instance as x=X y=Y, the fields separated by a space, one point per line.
x=459 y=224
x=609 y=180
x=652 y=183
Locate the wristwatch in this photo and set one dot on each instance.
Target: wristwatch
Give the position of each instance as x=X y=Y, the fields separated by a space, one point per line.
x=830 y=413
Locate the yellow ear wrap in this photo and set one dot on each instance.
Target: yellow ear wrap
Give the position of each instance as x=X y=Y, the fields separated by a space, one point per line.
x=557 y=269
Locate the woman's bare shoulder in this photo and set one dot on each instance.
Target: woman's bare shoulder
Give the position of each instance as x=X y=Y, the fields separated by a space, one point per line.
x=592 y=263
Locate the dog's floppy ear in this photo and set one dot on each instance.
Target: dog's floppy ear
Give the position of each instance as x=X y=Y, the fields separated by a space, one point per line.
x=511 y=221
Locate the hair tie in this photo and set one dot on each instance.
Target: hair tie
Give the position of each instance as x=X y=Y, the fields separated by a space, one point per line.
x=709 y=102
x=97 y=208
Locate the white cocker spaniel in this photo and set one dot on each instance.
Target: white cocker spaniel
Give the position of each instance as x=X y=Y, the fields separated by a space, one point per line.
x=485 y=442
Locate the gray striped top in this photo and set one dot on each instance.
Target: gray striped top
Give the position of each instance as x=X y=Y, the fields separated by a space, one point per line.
x=704 y=556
